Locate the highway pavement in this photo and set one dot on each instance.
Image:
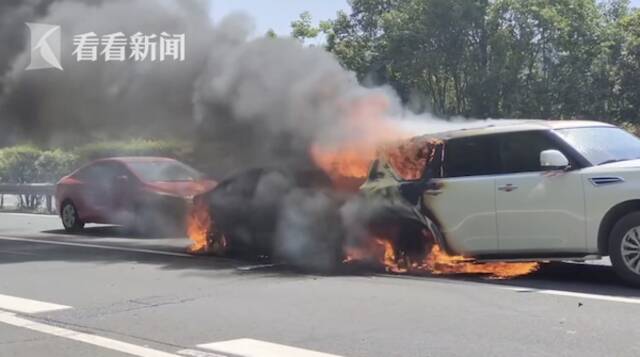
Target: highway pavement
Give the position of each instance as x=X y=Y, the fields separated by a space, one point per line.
x=105 y=293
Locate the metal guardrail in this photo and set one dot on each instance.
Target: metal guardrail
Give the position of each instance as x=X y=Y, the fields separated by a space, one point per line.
x=42 y=189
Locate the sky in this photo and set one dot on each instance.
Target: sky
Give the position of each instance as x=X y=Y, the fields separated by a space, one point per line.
x=278 y=14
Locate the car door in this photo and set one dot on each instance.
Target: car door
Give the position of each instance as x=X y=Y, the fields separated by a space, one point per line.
x=464 y=201
x=122 y=194
x=97 y=191
x=84 y=194
x=537 y=211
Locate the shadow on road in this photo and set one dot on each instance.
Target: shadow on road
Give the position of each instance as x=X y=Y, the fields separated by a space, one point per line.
x=571 y=277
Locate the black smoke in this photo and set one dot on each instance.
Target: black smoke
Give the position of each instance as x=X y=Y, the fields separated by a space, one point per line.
x=92 y=101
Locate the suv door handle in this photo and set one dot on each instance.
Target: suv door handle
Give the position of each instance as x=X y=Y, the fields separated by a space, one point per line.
x=433 y=192
x=508 y=188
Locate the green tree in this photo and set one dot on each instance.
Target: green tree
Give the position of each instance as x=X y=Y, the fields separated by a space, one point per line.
x=17 y=164
x=54 y=164
x=271 y=34
x=17 y=167
x=303 y=28
x=495 y=58
x=357 y=39
x=435 y=50
x=438 y=48
x=549 y=49
x=629 y=69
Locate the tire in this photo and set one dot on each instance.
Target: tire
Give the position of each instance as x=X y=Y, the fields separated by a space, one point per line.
x=412 y=242
x=70 y=218
x=624 y=248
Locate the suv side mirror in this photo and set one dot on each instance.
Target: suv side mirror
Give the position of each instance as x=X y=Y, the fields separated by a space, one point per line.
x=553 y=160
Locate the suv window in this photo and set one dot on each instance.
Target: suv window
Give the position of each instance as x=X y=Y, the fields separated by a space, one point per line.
x=520 y=152
x=473 y=156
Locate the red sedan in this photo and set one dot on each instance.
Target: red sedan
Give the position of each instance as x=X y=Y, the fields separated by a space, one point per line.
x=146 y=193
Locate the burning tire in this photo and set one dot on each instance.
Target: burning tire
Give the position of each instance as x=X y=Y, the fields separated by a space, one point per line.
x=624 y=248
x=406 y=240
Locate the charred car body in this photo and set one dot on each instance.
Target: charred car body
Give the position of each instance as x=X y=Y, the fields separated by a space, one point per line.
x=276 y=212
x=518 y=191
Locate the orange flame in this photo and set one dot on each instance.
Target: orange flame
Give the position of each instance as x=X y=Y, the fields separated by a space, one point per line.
x=198 y=226
x=344 y=163
x=409 y=158
x=391 y=263
x=435 y=262
x=438 y=262
x=201 y=229
x=366 y=129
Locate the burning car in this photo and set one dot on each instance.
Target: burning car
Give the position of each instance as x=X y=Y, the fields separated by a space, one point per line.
x=317 y=219
x=145 y=193
x=272 y=212
x=525 y=191
x=528 y=191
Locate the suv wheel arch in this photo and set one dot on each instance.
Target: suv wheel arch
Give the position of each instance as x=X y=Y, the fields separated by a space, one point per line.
x=609 y=221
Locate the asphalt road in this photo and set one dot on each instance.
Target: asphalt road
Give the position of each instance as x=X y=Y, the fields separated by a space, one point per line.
x=103 y=293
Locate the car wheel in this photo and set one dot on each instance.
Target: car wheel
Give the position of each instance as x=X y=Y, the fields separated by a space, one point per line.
x=624 y=248
x=70 y=218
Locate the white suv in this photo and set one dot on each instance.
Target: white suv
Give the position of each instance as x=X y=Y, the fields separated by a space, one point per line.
x=534 y=190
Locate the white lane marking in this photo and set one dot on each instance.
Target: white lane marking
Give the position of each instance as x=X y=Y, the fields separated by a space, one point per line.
x=613 y=298
x=134 y=350
x=246 y=347
x=8 y=214
x=28 y=306
x=195 y=353
x=97 y=246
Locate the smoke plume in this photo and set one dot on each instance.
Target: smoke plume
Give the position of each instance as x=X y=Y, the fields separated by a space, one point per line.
x=93 y=100
x=244 y=101
x=274 y=96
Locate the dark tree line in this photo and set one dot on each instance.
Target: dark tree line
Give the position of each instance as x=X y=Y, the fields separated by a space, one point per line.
x=494 y=58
